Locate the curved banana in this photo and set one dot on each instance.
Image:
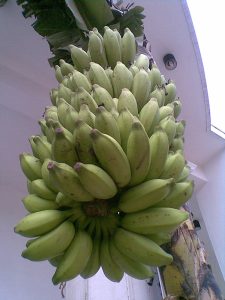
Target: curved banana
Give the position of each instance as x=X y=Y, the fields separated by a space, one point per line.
x=142 y=62
x=41 y=222
x=154 y=76
x=159 y=94
x=154 y=220
x=140 y=248
x=180 y=127
x=168 y=124
x=66 y=114
x=39 y=188
x=103 y=97
x=31 y=166
x=93 y=264
x=129 y=47
x=107 y=149
x=58 y=74
x=149 y=115
x=80 y=80
x=160 y=238
x=83 y=97
x=138 y=153
x=43 y=147
x=99 y=77
x=177 y=107
x=64 y=201
x=65 y=67
x=96 y=49
x=141 y=88
x=170 y=92
x=127 y=100
x=125 y=121
x=145 y=195
x=80 y=58
x=121 y=78
x=50 y=244
x=33 y=203
x=177 y=144
x=174 y=165
x=75 y=258
x=165 y=111
x=184 y=174
x=112 y=47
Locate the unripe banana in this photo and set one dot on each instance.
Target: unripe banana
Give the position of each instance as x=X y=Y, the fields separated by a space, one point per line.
x=112 y=47
x=179 y=194
x=110 y=267
x=177 y=107
x=39 y=188
x=160 y=238
x=170 y=92
x=149 y=115
x=106 y=123
x=184 y=174
x=33 y=203
x=41 y=222
x=83 y=97
x=127 y=100
x=53 y=96
x=93 y=264
x=119 y=38
x=43 y=148
x=109 y=73
x=29 y=188
x=51 y=244
x=96 y=49
x=168 y=124
x=131 y=267
x=102 y=97
x=80 y=80
x=165 y=111
x=159 y=94
x=80 y=58
x=177 y=144
x=107 y=149
x=129 y=47
x=180 y=127
x=54 y=261
x=58 y=74
x=43 y=126
x=31 y=166
x=134 y=70
x=138 y=153
x=51 y=113
x=159 y=148
x=174 y=165
x=145 y=251
x=83 y=143
x=66 y=114
x=154 y=220
x=155 y=76
x=96 y=181
x=63 y=148
x=64 y=201
x=64 y=92
x=99 y=76
x=75 y=258
x=142 y=62
x=141 y=88
x=65 y=67
x=33 y=146
x=67 y=182
x=86 y=115
x=145 y=195
x=122 y=78
x=125 y=121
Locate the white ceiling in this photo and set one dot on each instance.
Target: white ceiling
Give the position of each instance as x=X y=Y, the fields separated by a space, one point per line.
x=23 y=64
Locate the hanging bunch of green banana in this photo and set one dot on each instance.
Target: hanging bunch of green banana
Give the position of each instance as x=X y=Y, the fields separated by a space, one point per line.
x=107 y=175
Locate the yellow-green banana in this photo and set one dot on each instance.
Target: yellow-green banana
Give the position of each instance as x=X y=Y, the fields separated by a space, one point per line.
x=67 y=114
x=31 y=166
x=93 y=264
x=83 y=97
x=127 y=100
x=65 y=67
x=96 y=49
x=58 y=74
x=170 y=92
x=168 y=124
x=141 y=88
x=125 y=121
x=174 y=165
x=159 y=94
x=43 y=147
x=98 y=76
x=39 y=188
x=122 y=78
x=33 y=203
x=129 y=47
x=149 y=115
x=102 y=97
x=112 y=47
x=80 y=80
x=142 y=62
x=80 y=58
x=86 y=115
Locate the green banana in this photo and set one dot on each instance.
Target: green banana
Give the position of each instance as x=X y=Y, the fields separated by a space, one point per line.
x=80 y=80
x=65 y=68
x=64 y=201
x=107 y=149
x=43 y=147
x=174 y=165
x=184 y=174
x=159 y=94
x=106 y=123
x=86 y=115
x=75 y=258
x=111 y=46
x=64 y=92
x=33 y=146
x=170 y=92
x=160 y=238
x=83 y=97
x=103 y=97
x=93 y=264
x=63 y=148
x=96 y=49
x=177 y=107
x=125 y=121
x=53 y=96
x=180 y=127
x=177 y=144
x=31 y=166
x=154 y=76
x=159 y=148
x=41 y=222
x=45 y=175
x=67 y=182
x=54 y=261
x=179 y=194
x=154 y=220
x=58 y=74
x=98 y=76
x=80 y=58
x=141 y=88
x=40 y=189
x=110 y=267
x=33 y=203
x=127 y=100
x=165 y=111
x=169 y=125
x=66 y=114
x=145 y=195
x=43 y=125
x=145 y=251
x=134 y=70
x=121 y=78
x=149 y=115
x=129 y=47
x=131 y=267
x=138 y=153
x=50 y=244
x=96 y=181
x=142 y=62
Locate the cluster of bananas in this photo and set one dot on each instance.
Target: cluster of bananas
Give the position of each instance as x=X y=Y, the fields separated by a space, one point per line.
x=107 y=176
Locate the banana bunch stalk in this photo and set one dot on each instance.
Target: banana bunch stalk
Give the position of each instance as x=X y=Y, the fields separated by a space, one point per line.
x=107 y=175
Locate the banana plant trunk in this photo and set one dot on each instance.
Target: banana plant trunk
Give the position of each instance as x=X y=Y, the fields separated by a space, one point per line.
x=189 y=276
